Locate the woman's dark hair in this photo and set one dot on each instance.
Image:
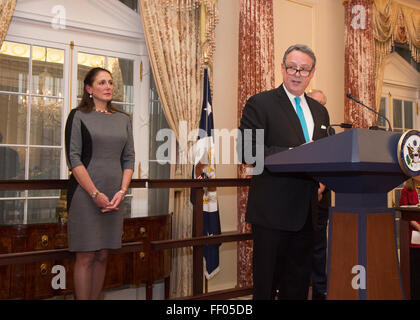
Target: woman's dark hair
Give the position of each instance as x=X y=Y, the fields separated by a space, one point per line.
x=86 y=104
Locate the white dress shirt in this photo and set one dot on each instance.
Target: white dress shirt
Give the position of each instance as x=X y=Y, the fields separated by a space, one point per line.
x=306 y=111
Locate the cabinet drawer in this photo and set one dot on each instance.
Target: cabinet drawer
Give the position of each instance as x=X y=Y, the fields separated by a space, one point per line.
x=41 y=239
x=38 y=280
x=135 y=232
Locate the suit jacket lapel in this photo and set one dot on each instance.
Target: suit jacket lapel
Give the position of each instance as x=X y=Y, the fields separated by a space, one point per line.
x=315 y=117
x=320 y=127
x=290 y=112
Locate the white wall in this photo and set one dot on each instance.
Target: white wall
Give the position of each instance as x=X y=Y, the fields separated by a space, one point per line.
x=225 y=105
x=320 y=25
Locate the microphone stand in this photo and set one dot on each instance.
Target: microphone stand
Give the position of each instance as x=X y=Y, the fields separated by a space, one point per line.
x=348 y=95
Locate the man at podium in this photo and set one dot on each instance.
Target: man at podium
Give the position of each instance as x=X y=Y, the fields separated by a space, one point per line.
x=282 y=207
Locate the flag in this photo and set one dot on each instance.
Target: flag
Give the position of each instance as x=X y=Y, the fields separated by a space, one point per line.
x=204 y=165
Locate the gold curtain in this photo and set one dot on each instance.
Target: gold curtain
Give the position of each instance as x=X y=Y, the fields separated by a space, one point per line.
x=256 y=73
x=180 y=42
x=7 y=7
x=393 y=22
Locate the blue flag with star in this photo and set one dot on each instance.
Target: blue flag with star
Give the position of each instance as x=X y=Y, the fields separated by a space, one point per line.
x=205 y=161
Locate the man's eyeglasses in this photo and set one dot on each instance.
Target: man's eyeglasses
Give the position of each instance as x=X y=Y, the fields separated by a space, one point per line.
x=293 y=70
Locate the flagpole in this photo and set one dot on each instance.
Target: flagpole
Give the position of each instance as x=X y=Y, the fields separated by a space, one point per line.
x=205 y=68
x=206 y=71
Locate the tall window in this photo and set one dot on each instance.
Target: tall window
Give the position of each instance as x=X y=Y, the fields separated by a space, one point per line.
x=402 y=114
x=41 y=79
x=31 y=108
x=158 y=198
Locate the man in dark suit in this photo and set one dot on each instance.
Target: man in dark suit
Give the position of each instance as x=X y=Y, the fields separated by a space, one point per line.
x=319 y=257
x=282 y=207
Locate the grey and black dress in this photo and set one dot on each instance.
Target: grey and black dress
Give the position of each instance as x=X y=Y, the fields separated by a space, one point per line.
x=103 y=143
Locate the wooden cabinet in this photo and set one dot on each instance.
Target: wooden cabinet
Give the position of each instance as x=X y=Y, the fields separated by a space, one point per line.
x=33 y=281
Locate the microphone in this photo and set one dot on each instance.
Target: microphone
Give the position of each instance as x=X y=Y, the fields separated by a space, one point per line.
x=369 y=108
x=331 y=131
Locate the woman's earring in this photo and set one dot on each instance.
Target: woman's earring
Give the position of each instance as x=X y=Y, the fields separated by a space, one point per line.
x=90 y=96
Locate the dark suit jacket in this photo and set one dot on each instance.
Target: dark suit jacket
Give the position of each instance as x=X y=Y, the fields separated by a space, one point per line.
x=281 y=201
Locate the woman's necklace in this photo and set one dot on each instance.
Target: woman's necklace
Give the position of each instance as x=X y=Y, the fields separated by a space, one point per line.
x=102 y=111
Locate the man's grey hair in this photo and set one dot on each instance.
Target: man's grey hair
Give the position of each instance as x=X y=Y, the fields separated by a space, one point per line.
x=303 y=48
x=312 y=91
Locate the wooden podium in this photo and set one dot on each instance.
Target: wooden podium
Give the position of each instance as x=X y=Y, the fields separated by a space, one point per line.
x=361 y=167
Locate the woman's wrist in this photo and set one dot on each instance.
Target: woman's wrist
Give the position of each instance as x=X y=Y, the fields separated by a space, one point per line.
x=94 y=194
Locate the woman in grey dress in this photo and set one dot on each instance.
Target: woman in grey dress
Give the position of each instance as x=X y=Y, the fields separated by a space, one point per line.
x=100 y=154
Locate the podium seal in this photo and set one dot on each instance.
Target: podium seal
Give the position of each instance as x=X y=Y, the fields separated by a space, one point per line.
x=409 y=152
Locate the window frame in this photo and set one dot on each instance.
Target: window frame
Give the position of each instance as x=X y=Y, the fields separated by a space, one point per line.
x=389 y=110
x=24 y=195
x=140 y=112
x=106 y=34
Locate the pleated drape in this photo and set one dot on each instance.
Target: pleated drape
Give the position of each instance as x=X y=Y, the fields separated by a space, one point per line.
x=256 y=73
x=180 y=43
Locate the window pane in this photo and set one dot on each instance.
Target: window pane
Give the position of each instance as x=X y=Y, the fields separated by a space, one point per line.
x=158 y=203
x=44 y=163
x=47 y=71
x=11 y=211
x=46 y=121
x=127 y=108
x=122 y=74
x=408 y=114
x=397 y=107
x=13 y=118
x=12 y=163
x=158 y=198
x=12 y=166
x=43 y=193
x=14 y=67
x=42 y=211
x=382 y=111
x=125 y=206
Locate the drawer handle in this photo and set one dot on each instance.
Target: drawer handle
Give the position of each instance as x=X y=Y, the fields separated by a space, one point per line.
x=44 y=241
x=43 y=269
x=142 y=256
x=142 y=231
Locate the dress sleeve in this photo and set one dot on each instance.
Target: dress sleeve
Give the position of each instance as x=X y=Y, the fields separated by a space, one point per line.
x=128 y=154
x=73 y=140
